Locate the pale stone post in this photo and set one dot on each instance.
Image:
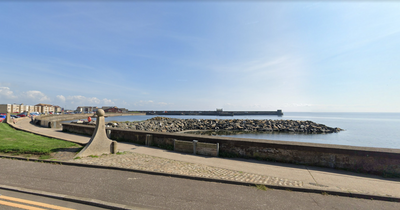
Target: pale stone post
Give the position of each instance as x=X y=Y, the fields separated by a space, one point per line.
x=195 y=146
x=149 y=140
x=8 y=117
x=114 y=145
x=99 y=143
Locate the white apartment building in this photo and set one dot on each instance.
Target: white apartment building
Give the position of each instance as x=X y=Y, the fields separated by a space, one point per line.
x=4 y=108
x=46 y=108
x=15 y=108
x=86 y=108
x=19 y=108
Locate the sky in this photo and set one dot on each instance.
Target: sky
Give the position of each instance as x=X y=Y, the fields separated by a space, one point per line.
x=298 y=56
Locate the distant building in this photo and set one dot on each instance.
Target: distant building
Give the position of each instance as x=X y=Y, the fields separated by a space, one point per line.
x=28 y=108
x=19 y=108
x=4 y=108
x=124 y=110
x=86 y=108
x=15 y=108
x=45 y=108
x=57 y=109
x=115 y=110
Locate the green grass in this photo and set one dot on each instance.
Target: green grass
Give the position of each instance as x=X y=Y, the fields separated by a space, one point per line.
x=44 y=157
x=261 y=187
x=93 y=156
x=20 y=142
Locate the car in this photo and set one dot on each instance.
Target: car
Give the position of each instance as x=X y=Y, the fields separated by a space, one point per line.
x=2 y=117
x=35 y=113
x=22 y=114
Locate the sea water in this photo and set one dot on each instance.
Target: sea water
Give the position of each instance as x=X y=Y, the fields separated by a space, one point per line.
x=360 y=129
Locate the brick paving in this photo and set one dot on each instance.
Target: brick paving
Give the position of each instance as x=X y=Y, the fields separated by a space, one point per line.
x=157 y=164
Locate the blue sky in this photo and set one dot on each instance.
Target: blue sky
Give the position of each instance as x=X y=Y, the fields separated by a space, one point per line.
x=306 y=56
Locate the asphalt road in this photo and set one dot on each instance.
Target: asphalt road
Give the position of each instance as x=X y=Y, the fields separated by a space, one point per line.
x=11 y=200
x=161 y=192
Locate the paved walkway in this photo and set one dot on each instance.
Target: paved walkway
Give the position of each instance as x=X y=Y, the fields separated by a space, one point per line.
x=240 y=170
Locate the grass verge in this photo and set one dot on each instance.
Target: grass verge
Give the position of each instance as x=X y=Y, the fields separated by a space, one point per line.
x=20 y=142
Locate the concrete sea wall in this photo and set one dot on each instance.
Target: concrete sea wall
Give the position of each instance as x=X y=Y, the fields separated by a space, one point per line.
x=54 y=121
x=217 y=113
x=380 y=161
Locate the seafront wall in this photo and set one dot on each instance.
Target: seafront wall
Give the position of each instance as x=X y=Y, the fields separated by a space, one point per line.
x=55 y=121
x=378 y=161
x=217 y=113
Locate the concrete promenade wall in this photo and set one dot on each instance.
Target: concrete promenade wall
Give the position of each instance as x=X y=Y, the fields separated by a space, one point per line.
x=54 y=121
x=380 y=161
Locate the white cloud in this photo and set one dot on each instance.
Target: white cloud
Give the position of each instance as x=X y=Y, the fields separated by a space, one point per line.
x=79 y=100
x=108 y=102
x=143 y=103
x=7 y=93
x=82 y=100
x=61 y=98
x=150 y=104
x=35 y=95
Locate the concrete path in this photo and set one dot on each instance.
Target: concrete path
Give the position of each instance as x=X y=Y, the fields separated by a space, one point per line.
x=240 y=170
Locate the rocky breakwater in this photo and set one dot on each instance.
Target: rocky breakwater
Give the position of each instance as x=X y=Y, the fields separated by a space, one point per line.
x=164 y=124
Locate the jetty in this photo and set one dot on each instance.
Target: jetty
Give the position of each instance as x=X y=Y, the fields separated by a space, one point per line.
x=218 y=112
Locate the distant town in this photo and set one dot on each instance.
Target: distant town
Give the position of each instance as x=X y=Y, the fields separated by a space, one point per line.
x=21 y=109
x=54 y=109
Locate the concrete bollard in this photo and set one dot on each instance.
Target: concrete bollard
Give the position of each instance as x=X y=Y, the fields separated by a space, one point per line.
x=108 y=133
x=8 y=117
x=149 y=140
x=114 y=145
x=194 y=146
